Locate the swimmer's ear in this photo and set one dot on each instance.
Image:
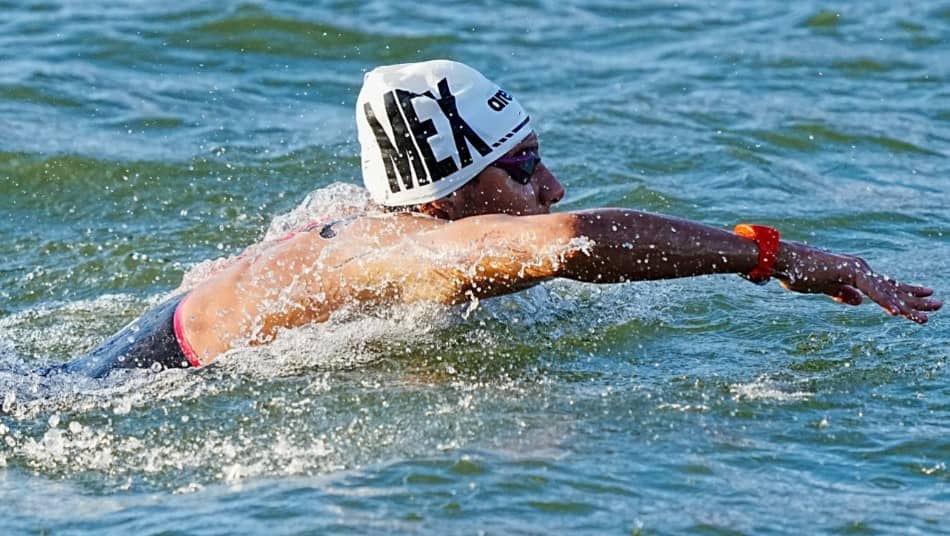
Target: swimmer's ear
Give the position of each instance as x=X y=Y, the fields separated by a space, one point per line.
x=436 y=209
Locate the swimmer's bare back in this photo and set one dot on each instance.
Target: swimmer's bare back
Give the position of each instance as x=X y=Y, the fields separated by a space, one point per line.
x=406 y=257
x=292 y=283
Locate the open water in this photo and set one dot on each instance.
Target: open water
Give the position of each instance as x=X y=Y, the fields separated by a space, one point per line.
x=139 y=139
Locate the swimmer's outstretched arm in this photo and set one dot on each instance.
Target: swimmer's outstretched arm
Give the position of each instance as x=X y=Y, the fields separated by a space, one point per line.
x=499 y=254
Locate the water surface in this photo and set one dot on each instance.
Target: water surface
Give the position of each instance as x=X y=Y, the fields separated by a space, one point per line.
x=141 y=139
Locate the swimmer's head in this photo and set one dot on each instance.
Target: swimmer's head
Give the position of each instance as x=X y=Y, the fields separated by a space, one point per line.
x=428 y=128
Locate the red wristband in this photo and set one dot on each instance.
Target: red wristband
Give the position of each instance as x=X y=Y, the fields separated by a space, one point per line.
x=767 y=239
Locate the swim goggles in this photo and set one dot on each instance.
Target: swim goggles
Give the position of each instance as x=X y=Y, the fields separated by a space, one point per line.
x=520 y=168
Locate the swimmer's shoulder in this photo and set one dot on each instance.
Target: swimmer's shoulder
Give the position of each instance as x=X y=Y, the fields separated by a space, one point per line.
x=379 y=228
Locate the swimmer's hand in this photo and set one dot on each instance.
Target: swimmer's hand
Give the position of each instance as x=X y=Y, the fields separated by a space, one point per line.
x=845 y=278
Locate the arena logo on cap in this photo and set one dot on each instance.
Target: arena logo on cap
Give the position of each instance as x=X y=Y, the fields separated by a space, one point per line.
x=409 y=152
x=499 y=100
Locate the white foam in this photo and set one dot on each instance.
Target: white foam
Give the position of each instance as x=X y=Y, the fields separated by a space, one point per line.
x=346 y=340
x=68 y=424
x=765 y=388
x=57 y=327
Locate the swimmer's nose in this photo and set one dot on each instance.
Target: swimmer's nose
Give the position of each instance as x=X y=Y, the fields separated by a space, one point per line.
x=551 y=189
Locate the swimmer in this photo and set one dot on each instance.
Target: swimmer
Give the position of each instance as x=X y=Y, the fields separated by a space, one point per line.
x=455 y=160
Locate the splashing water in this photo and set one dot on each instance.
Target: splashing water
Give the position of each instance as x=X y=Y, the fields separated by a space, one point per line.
x=69 y=425
x=335 y=202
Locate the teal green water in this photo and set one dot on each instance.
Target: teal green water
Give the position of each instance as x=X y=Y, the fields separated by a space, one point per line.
x=138 y=139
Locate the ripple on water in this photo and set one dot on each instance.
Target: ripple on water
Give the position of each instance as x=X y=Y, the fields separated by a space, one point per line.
x=823 y=19
x=142 y=139
x=34 y=95
x=252 y=29
x=812 y=137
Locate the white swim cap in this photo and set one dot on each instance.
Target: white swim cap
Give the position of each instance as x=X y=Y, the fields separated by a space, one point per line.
x=427 y=128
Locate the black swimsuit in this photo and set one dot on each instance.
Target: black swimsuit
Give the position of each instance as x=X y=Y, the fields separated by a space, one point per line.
x=147 y=342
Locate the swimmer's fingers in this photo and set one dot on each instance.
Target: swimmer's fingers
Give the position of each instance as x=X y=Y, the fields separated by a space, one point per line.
x=914 y=290
x=898 y=299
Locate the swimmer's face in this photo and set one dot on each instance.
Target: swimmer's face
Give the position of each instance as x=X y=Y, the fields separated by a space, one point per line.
x=497 y=191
